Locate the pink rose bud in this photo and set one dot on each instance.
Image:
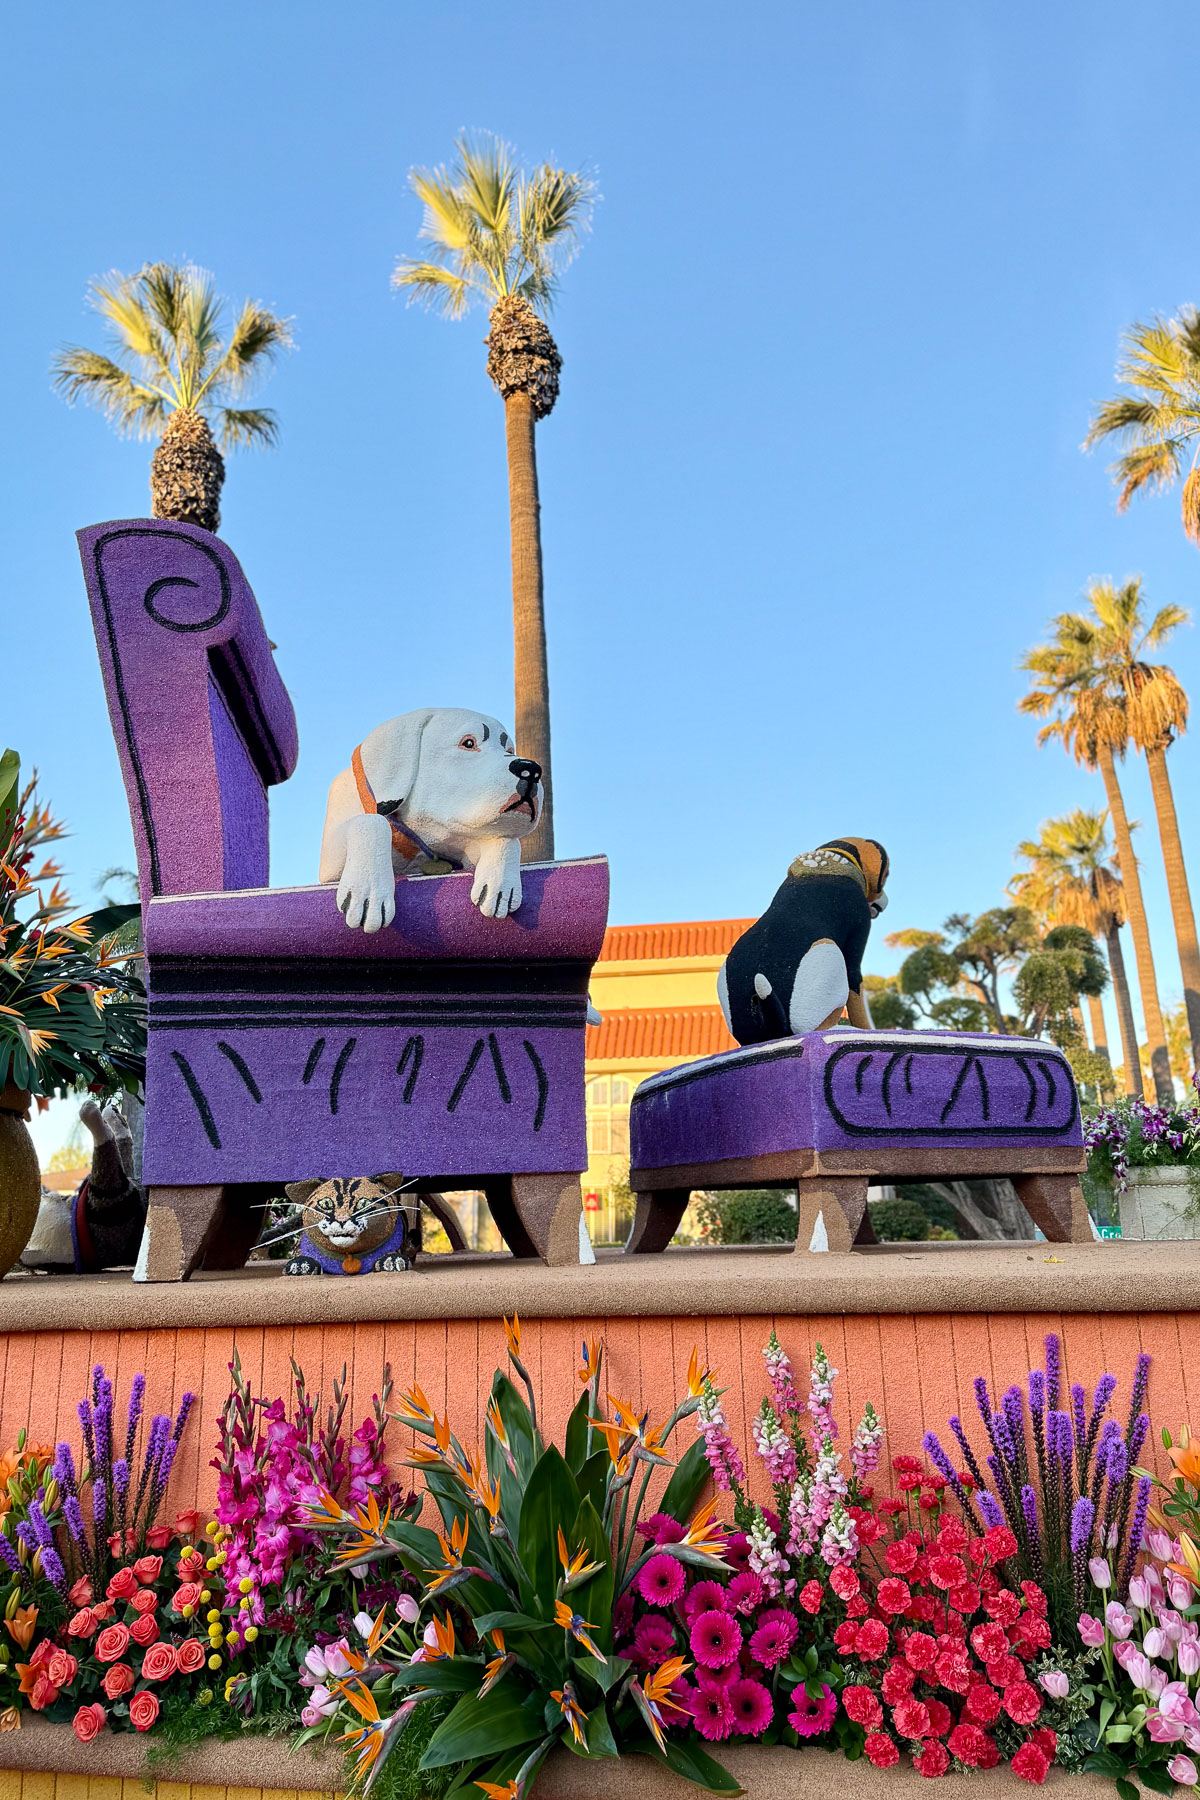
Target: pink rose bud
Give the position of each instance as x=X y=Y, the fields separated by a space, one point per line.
x=1100 y=1572
x=1091 y=1631
x=1139 y=1592
x=1056 y=1683
x=1183 y=1770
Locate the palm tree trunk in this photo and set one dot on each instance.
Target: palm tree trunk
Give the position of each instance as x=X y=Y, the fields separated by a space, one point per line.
x=1177 y=888
x=1120 y=981
x=530 y=673
x=1099 y=1033
x=1160 y=1063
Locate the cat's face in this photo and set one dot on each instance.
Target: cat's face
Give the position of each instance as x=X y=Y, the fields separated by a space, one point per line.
x=349 y=1216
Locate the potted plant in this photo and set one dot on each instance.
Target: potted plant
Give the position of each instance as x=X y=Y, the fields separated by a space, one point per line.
x=72 y=1007
x=1148 y=1159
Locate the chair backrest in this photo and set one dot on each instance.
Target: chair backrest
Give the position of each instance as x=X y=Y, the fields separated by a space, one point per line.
x=202 y=720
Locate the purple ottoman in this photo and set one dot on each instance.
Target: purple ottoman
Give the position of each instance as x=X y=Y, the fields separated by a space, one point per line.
x=835 y=1111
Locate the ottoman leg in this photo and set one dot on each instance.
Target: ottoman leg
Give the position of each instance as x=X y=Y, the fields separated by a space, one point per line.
x=180 y=1224
x=830 y=1209
x=539 y=1215
x=1056 y=1203
x=656 y=1220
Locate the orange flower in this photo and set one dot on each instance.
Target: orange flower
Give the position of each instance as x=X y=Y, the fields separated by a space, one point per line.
x=1186 y=1458
x=578 y=1627
x=512 y=1331
x=696 y=1375
x=21 y=1626
x=510 y=1790
x=589 y=1360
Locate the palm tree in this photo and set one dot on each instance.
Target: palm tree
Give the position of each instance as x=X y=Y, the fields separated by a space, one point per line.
x=1161 y=417
x=1072 y=882
x=173 y=370
x=1072 y=690
x=502 y=236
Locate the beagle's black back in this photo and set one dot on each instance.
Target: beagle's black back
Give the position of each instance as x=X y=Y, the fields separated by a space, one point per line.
x=804 y=910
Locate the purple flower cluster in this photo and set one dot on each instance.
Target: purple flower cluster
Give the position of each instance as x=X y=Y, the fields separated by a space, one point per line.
x=1131 y=1134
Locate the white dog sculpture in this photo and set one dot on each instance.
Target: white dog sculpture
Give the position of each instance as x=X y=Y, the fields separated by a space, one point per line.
x=441 y=786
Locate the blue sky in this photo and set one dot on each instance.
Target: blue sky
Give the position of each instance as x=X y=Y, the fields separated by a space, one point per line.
x=814 y=480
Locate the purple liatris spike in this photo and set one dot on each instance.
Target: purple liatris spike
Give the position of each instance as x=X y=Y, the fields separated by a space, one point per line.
x=1004 y=1438
x=53 y=1570
x=137 y=1395
x=1137 y=1437
x=73 y=1514
x=27 y=1536
x=1083 y=1515
x=37 y=1519
x=1014 y=1410
x=8 y=1555
x=981 y=1399
x=1037 y=1391
x=85 y=1425
x=1116 y=1461
x=98 y=1501
x=97 y=1378
x=1030 y=1512
x=1137 y=1529
x=64 y=1469
x=121 y=1477
x=1141 y=1375
x=185 y=1406
x=990 y=1507
x=1053 y=1350
x=1078 y=1400
x=1105 y=1388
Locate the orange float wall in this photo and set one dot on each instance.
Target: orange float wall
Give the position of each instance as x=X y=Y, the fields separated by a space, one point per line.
x=916 y=1370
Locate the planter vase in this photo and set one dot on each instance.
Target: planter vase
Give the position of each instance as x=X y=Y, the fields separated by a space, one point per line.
x=20 y=1179
x=1157 y=1204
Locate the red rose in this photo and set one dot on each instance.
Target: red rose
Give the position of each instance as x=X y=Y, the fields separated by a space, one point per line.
x=845 y=1637
x=160 y=1662
x=1021 y=1703
x=191 y=1656
x=920 y=1651
x=811 y=1596
x=80 y=1592
x=143 y=1710
x=159 y=1536
x=191 y=1565
x=187 y=1524
x=44 y=1693
x=911 y=1718
x=940 y=1717
x=872 y=1640
x=88 y=1722
x=983 y=1703
x=117 y=1680
x=844 y=1581
x=881 y=1750
x=186 y=1595
x=969 y=1744
x=112 y=1643
x=900 y=1556
x=862 y=1706
x=892 y=1595
x=145 y=1601
x=897 y=1683
x=953 y=1537
x=103 y=1609
x=61 y=1667
x=1031 y=1763
x=999 y=1542
x=933 y=1760
x=947 y=1571
x=82 y=1624
x=123 y=1586
x=144 y=1630
x=988 y=1642
x=148 y=1569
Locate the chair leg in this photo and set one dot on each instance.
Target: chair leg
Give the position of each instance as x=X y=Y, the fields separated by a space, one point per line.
x=830 y=1211
x=1056 y=1203
x=656 y=1220
x=181 y=1222
x=447 y=1218
x=550 y=1208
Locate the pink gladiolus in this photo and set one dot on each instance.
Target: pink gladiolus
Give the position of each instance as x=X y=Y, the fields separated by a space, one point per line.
x=1091 y=1631
x=1056 y=1683
x=1183 y=1770
x=1100 y=1572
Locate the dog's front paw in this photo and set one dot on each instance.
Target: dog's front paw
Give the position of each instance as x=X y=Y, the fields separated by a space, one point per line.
x=366 y=900
x=496 y=889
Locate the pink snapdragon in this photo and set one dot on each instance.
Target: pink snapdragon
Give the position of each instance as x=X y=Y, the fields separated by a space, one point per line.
x=766 y=1559
x=723 y=1456
x=779 y=1374
x=820 y=1398
x=774 y=1447
x=865 y=1449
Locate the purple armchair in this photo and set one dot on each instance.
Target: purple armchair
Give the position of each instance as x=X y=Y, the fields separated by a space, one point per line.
x=282 y=1045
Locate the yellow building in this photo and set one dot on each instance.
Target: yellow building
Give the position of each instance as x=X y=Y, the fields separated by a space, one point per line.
x=656 y=989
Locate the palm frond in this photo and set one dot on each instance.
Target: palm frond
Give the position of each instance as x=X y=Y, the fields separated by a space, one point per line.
x=249 y=425
x=1190 y=506
x=555 y=207
x=1150 y=465
x=256 y=339
x=447 y=222
x=432 y=285
x=134 y=408
x=117 y=299
x=163 y=287
x=485 y=179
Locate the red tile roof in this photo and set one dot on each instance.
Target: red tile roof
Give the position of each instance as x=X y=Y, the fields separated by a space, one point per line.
x=687 y=1031
x=694 y=937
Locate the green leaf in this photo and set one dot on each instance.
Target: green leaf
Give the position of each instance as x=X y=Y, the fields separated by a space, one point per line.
x=509 y=1621
x=686 y=1484
x=1126 y=1789
x=606 y=1675
x=502 y=1720
x=1157 y=1780
x=1118 y=1734
x=592 y=1479
x=688 y=1760
x=550 y=1505
x=453 y=1675
x=576 y=1441
x=600 y=1739
x=1100 y=1762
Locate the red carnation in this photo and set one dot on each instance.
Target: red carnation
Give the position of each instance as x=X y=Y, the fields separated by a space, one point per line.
x=954 y=1672
x=932 y=1760
x=1031 y=1632
x=897 y=1683
x=857 y=1606
x=908 y=1465
x=965 y=1599
x=940 y=1717
x=908 y=1484
x=900 y=1556
x=947 y=1571
x=969 y=1744
x=999 y=1542
x=911 y=1718
x=872 y=1640
x=880 y=1750
x=811 y=1596
x=862 y=1706
x=1046 y=1739
x=844 y=1582
x=845 y=1637
x=1031 y=1763
x=1005 y=1670
x=983 y=1703
x=1003 y=1607
x=892 y=1595
x=1035 y=1599
x=953 y=1536
x=920 y=1651
x=1021 y=1703
x=989 y=1642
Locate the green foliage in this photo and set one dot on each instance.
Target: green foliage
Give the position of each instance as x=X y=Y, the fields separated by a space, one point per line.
x=402 y=1776
x=747 y=1216
x=172 y=353
x=899 y=1221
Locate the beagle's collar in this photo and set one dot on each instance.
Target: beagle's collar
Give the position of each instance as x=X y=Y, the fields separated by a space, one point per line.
x=407 y=844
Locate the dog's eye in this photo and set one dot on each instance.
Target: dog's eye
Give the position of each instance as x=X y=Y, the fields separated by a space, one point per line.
x=467 y=743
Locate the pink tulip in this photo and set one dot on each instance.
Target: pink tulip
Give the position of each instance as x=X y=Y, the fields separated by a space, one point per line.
x=408 y=1609
x=1156 y=1681
x=1189 y=1657
x=1139 y=1592
x=1138 y=1668
x=1124 y=1651
x=1156 y=1642
x=1100 y=1572
x=1119 y=1622
x=1162 y=1729
x=1159 y=1544
x=1183 y=1770
x=1091 y=1631
x=1180 y=1593
x=1056 y=1683
x=1154 y=1578
x=1191 y=1736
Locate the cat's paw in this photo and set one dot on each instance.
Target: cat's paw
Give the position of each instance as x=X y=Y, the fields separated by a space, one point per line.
x=301 y=1265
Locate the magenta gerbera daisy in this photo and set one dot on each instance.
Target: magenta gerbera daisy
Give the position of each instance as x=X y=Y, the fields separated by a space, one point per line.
x=809 y=1716
x=661 y=1528
x=661 y=1582
x=654 y=1640
x=752 y=1707
x=745 y=1592
x=711 y=1712
x=773 y=1639
x=716 y=1639
x=706 y=1596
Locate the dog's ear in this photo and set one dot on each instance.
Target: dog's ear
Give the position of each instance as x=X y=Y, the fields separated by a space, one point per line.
x=301 y=1192
x=391 y=755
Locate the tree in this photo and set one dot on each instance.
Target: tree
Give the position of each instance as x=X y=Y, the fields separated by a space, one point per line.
x=502 y=236
x=1143 y=703
x=173 y=370
x=1161 y=417
x=1071 y=692
x=1071 y=882
x=923 y=975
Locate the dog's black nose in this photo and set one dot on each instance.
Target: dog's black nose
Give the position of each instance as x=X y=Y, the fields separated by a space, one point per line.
x=525 y=771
